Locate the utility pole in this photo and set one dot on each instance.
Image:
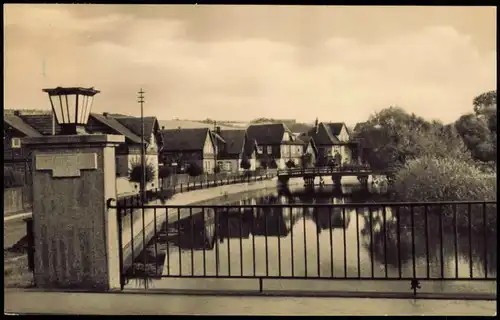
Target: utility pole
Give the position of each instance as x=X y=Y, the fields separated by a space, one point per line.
x=143 y=151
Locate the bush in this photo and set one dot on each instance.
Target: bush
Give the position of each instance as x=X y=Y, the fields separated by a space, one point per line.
x=290 y=164
x=447 y=179
x=443 y=179
x=245 y=164
x=307 y=160
x=165 y=172
x=217 y=169
x=136 y=172
x=263 y=164
x=11 y=178
x=273 y=164
x=194 y=170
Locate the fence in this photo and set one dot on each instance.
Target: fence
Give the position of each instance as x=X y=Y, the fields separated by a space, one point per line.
x=413 y=242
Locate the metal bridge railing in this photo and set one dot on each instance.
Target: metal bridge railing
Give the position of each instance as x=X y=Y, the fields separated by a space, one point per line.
x=444 y=241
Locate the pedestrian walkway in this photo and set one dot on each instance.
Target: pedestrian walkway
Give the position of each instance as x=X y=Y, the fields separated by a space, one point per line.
x=36 y=302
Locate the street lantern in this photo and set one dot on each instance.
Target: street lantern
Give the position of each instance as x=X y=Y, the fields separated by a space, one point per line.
x=71 y=107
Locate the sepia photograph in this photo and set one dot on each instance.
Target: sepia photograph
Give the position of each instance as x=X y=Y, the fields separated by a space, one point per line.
x=250 y=160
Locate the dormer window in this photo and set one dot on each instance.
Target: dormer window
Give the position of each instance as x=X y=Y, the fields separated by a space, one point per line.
x=260 y=149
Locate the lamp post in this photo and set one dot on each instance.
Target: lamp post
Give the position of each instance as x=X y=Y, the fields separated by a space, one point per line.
x=71 y=107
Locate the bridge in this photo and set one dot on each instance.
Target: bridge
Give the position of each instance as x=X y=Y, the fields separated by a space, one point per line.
x=309 y=174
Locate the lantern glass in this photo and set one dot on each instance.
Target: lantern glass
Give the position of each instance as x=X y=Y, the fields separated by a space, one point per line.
x=71 y=111
x=90 y=102
x=58 y=108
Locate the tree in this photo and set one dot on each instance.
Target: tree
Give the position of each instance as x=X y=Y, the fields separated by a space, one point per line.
x=479 y=129
x=164 y=172
x=135 y=172
x=194 y=169
x=393 y=136
x=273 y=164
x=245 y=164
x=306 y=160
x=290 y=164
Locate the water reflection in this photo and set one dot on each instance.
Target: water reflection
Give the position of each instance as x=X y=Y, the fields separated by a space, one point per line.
x=334 y=242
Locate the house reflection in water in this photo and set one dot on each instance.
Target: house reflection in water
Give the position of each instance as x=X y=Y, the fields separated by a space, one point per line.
x=199 y=232
x=196 y=232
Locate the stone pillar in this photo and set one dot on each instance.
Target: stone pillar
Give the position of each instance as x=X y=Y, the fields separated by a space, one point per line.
x=75 y=235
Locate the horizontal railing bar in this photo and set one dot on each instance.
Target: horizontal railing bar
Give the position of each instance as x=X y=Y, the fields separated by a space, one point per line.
x=236 y=276
x=323 y=205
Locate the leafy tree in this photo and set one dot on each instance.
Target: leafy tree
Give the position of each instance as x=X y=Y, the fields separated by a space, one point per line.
x=479 y=129
x=194 y=169
x=290 y=164
x=393 y=136
x=245 y=164
x=135 y=172
x=165 y=172
x=306 y=160
x=273 y=164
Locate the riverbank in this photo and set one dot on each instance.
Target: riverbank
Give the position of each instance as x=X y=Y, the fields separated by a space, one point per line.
x=133 y=236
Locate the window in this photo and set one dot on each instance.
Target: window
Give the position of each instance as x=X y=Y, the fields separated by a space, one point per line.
x=269 y=149
x=227 y=166
x=260 y=149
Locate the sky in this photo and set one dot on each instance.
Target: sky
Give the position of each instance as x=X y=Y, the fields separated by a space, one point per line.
x=339 y=64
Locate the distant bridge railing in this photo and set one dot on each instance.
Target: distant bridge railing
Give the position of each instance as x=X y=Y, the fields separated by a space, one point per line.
x=414 y=242
x=331 y=169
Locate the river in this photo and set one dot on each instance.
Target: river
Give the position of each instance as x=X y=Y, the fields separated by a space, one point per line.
x=306 y=242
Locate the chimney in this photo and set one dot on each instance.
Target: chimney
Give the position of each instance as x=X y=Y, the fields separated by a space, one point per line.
x=105 y=114
x=316 y=125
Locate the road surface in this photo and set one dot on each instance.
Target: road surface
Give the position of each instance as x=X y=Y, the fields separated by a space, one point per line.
x=13 y=231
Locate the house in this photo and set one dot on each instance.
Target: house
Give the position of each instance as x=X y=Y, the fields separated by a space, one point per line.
x=182 y=147
x=331 y=139
x=16 y=156
x=309 y=150
x=235 y=148
x=276 y=145
x=127 y=154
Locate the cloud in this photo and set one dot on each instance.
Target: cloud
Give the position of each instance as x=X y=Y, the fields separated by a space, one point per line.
x=434 y=71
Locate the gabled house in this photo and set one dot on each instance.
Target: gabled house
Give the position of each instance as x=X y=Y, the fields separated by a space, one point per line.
x=331 y=140
x=14 y=130
x=276 y=144
x=182 y=147
x=127 y=154
x=309 y=150
x=235 y=148
x=16 y=155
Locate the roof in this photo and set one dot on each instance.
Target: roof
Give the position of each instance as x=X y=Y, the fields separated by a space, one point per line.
x=267 y=133
x=235 y=140
x=184 y=139
x=324 y=135
x=117 y=126
x=21 y=126
x=41 y=122
x=134 y=125
x=335 y=127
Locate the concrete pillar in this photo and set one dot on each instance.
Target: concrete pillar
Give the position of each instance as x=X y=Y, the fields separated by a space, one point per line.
x=75 y=235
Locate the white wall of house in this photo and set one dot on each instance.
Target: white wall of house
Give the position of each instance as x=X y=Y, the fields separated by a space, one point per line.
x=208 y=155
x=124 y=186
x=343 y=135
